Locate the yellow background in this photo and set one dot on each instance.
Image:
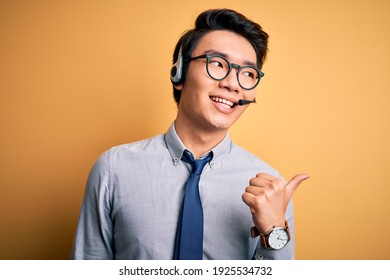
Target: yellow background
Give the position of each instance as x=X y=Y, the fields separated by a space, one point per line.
x=77 y=77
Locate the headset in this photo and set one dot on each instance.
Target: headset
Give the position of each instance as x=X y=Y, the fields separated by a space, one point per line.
x=177 y=70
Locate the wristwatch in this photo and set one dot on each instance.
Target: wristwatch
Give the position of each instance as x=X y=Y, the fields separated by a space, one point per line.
x=275 y=239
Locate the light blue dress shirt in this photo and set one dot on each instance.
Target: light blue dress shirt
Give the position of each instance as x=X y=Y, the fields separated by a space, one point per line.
x=134 y=195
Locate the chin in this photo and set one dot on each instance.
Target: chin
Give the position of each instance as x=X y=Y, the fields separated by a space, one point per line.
x=222 y=124
x=225 y=122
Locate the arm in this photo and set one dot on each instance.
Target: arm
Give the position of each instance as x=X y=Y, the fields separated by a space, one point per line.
x=95 y=229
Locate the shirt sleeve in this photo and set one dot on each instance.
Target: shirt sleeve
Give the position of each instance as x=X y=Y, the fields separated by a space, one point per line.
x=94 y=235
x=286 y=253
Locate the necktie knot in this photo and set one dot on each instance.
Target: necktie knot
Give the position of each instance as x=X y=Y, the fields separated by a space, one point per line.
x=197 y=165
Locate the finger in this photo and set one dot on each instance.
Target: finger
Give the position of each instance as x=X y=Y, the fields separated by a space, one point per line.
x=248 y=198
x=269 y=177
x=294 y=183
x=259 y=182
x=255 y=190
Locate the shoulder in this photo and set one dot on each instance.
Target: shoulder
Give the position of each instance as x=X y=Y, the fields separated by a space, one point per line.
x=134 y=148
x=145 y=145
x=123 y=153
x=243 y=157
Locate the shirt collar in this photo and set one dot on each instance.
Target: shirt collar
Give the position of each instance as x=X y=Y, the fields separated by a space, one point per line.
x=176 y=147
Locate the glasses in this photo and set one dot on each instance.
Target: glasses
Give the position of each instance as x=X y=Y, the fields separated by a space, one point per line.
x=218 y=68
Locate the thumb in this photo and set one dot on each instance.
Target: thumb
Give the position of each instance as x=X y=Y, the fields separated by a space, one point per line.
x=294 y=183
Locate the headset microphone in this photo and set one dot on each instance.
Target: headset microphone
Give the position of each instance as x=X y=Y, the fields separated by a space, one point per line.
x=245 y=102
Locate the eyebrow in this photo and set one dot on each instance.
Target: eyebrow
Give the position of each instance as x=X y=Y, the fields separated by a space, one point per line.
x=224 y=55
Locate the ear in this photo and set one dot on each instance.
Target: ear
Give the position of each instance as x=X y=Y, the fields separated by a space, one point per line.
x=178 y=87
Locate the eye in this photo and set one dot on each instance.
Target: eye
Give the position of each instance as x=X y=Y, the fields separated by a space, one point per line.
x=217 y=62
x=249 y=73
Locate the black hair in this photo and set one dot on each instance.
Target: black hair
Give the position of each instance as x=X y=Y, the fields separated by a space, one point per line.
x=220 y=19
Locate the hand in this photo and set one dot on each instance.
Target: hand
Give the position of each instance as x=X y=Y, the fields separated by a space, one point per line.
x=268 y=197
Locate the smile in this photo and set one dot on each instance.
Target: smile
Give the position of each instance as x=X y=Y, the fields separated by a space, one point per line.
x=223 y=101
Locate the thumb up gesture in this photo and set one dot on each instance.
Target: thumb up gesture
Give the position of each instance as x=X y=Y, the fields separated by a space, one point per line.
x=267 y=197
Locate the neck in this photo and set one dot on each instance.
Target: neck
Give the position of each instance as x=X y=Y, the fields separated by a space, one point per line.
x=198 y=141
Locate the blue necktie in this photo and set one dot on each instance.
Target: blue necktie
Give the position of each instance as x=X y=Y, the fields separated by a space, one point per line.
x=189 y=236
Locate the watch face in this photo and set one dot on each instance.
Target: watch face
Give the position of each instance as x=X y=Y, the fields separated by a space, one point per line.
x=278 y=238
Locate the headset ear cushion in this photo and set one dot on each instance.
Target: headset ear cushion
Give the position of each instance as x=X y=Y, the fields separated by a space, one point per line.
x=177 y=70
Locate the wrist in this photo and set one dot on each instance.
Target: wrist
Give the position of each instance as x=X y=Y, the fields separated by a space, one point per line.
x=276 y=238
x=257 y=230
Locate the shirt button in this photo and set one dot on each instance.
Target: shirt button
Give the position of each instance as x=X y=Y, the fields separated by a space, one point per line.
x=260 y=257
x=212 y=164
x=175 y=161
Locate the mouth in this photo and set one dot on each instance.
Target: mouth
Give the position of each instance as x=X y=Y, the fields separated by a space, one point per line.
x=224 y=102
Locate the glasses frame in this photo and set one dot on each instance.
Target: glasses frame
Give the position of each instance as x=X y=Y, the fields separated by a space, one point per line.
x=231 y=66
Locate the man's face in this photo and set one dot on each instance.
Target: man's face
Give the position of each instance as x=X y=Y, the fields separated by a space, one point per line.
x=206 y=103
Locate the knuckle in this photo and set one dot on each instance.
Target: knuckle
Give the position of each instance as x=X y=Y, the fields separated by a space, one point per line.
x=253 y=181
x=258 y=201
x=277 y=185
x=280 y=182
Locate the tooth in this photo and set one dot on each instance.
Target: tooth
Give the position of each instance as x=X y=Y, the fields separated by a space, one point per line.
x=222 y=101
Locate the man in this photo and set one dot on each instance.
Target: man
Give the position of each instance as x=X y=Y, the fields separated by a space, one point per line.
x=145 y=200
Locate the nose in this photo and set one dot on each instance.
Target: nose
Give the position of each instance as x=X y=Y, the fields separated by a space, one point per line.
x=231 y=81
